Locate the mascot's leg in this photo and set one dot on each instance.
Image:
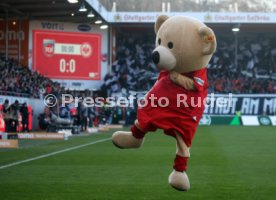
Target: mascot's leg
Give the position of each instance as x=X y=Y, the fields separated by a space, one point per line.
x=178 y=178
x=129 y=139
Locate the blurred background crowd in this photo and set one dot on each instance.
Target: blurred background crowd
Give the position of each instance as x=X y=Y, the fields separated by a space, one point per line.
x=255 y=71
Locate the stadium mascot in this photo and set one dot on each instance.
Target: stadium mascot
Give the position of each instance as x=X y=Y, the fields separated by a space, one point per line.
x=184 y=46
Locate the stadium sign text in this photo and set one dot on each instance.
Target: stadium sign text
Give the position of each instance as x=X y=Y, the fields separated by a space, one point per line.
x=246 y=105
x=41 y=136
x=52 y=25
x=210 y=17
x=12 y=35
x=240 y=18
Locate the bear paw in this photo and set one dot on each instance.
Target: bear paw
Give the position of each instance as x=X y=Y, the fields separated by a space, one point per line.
x=179 y=180
x=125 y=140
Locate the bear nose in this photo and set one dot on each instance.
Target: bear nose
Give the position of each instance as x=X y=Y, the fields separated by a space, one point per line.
x=155 y=57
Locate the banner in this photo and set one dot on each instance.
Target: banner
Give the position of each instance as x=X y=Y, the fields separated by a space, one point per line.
x=56 y=55
x=250 y=120
x=4 y=144
x=258 y=104
x=41 y=136
x=206 y=17
x=209 y=17
x=208 y=120
x=12 y=99
x=247 y=120
x=18 y=39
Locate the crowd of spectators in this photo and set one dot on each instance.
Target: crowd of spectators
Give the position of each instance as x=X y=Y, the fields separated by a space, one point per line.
x=85 y=117
x=15 y=116
x=21 y=81
x=133 y=68
x=254 y=71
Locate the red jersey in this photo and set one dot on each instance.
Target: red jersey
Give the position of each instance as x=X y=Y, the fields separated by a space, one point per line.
x=171 y=107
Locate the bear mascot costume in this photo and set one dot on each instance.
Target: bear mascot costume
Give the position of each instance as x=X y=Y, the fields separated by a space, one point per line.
x=184 y=46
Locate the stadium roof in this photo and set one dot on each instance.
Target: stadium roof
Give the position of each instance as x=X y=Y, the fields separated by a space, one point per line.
x=109 y=10
x=56 y=10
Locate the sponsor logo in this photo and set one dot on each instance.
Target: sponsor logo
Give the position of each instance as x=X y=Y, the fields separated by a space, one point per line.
x=117 y=18
x=208 y=17
x=273 y=120
x=25 y=136
x=40 y=136
x=199 y=81
x=8 y=143
x=84 y=27
x=205 y=120
x=264 y=121
x=52 y=26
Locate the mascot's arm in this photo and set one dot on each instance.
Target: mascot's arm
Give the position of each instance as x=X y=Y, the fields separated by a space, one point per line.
x=182 y=80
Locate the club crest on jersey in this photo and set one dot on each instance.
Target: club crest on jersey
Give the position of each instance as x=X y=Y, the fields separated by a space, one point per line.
x=199 y=81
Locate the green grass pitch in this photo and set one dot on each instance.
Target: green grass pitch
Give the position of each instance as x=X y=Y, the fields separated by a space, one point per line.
x=226 y=163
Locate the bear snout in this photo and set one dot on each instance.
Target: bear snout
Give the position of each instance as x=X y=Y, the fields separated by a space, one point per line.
x=163 y=58
x=155 y=57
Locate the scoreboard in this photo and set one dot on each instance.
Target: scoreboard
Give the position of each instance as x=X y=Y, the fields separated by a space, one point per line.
x=67 y=55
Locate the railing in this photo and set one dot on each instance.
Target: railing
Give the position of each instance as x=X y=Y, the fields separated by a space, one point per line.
x=16 y=94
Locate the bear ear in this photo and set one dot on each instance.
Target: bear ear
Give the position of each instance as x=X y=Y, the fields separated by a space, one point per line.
x=160 y=20
x=208 y=39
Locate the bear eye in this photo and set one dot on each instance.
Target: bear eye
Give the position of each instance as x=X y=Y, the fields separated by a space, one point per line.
x=159 y=41
x=170 y=45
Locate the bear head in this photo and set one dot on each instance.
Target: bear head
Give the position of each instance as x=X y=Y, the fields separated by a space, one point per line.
x=183 y=44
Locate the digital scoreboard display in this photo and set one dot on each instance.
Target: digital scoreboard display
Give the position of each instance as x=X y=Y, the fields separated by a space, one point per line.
x=64 y=55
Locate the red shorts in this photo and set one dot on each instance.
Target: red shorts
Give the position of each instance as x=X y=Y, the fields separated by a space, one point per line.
x=151 y=119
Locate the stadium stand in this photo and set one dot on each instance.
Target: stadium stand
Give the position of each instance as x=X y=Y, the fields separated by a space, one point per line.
x=255 y=73
x=23 y=82
x=256 y=68
x=133 y=68
x=193 y=5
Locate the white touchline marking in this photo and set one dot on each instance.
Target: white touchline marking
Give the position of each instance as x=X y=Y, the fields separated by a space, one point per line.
x=52 y=154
